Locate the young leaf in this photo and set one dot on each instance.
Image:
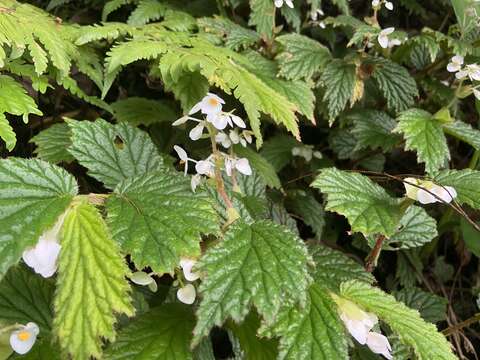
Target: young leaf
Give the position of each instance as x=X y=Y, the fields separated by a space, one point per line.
x=33 y=194
x=424 y=135
x=366 y=205
x=373 y=129
x=427 y=342
x=261 y=264
x=26 y=297
x=466 y=182
x=464 y=132
x=301 y=56
x=113 y=153
x=52 y=144
x=162 y=333
x=333 y=268
x=157 y=219
x=91 y=284
x=313 y=332
x=339 y=79
x=141 y=111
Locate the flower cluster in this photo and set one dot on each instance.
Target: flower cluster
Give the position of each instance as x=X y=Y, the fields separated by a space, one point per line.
x=216 y=122
x=22 y=339
x=307 y=152
x=377 y=4
x=359 y=324
x=279 y=3
x=384 y=40
x=470 y=71
x=427 y=192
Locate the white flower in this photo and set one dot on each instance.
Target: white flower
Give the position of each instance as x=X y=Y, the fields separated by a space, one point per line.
x=197 y=132
x=144 y=279
x=237 y=120
x=358 y=322
x=182 y=154
x=181 y=121
x=375 y=3
x=315 y=13
x=187 y=294
x=426 y=190
x=394 y=42
x=42 y=258
x=379 y=344
x=210 y=104
x=187 y=264
x=471 y=70
x=195 y=181
x=322 y=24
x=219 y=120
x=383 y=37
x=307 y=152
x=389 y=5
x=23 y=339
x=204 y=167
x=242 y=165
x=279 y=3
x=455 y=63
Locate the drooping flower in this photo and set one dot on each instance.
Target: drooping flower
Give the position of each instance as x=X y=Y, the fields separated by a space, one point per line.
x=279 y=3
x=210 y=104
x=242 y=165
x=182 y=154
x=42 y=258
x=22 y=340
x=470 y=70
x=427 y=192
x=144 y=279
x=307 y=152
x=314 y=14
x=358 y=322
x=187 y=264
x=383 y=39
x=455 y=64
x=223 y=139
x=187 y=294
x=389 y=5
x=197 y=132
x=379 y=344
x=204 y=167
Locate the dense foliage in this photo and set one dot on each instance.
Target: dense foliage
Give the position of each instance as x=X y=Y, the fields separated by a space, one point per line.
x=243 y=179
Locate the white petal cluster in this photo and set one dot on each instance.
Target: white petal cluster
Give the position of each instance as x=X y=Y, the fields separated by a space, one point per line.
x=307 y=152
x=187 y=293
x=470 y=71
x=144 y=279
x=377 y=4
x=22 y=340
x=42 y=258
x=211 y=106
x=384 y=40
x=427 y=192
x=279 y=3
x=359 y=324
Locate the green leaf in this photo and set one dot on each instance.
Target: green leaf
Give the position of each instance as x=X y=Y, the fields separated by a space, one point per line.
x=301 y=56
x=339 y=80
x=157 y=219
x=470 y=237
x=91 y=284
x=6 y=133
x=424 y=135
x=466 y=182
x=416 y=229
x=432 y=308
x=26 y=297
x=427 y=342
x=278 y=151
x=464 y=10
x=260 y=264
x=373 y=129
x=366 y=205
x=264 y=169
x=52 y=144
x=333 y=268
x=113 y=153
x=162 y=333
x=398 y=87
x=146 y=11
x=33 y=194
x=464 y=132
x=314 y=332
x=263 y=17
x=14 y=99
x=304 y=204
x=111 y=6
x=141 y=111
x=189 y=88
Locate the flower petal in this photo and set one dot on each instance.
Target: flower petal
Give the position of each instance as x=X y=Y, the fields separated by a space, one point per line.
x=379 y=344
x=187 y=294
x=243 y=166
x=197 y=132
x=383 y=40
x=182 y=154
x=141 y=278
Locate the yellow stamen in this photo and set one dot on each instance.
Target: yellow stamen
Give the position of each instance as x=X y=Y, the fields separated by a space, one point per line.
x=213 y=101
x=23 y=335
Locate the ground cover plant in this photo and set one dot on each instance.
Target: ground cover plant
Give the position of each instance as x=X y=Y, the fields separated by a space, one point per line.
x=239 y=179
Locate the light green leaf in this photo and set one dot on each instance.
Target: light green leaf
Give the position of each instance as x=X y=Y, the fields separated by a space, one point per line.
x=314 y=332
x=424 y=135
x=113 y=153
x=278 y=150
x=263 y=17
x=111 y=6
x=146 y=11
x=465 y=10
x=466 y=182
x=52 y=143
x=141 y=111
x=366 y=205
x=6 y=133
x=373 y=129
x=338 y=79
x=91 y=285
x=162 y=333
x=416 y=229
x=157 y=219
x=398 y=87
x=464 y=132
x=432 y=308
x=189 y=88
x=301 y=56
x=14 y=99
x=427 y=342
x=334 y=267
x=261 y=264
x=26 y=297
x=33 y=194
x=264 y=169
